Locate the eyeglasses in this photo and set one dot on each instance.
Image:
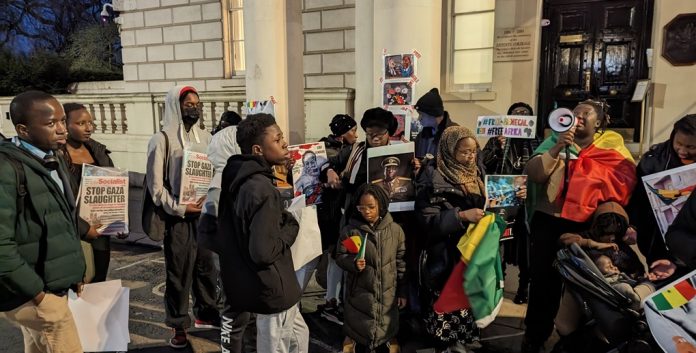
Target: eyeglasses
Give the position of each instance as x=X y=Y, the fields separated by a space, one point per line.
x=362 y=208
x=376 y=133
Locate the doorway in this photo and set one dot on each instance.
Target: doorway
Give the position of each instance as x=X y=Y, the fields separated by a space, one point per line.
x=595 y=49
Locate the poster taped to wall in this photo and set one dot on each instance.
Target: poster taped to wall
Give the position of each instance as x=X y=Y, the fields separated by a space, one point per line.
x=399 y=66
x=513 y=126
x=196 y=173
x=309 y=158
x=390 y=167
x=103 y=199
x=404 y=118
x=398 y=93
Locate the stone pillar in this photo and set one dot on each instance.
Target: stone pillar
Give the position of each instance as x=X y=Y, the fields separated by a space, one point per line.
x=399 y=26
x=365 y=74
x=273 y=45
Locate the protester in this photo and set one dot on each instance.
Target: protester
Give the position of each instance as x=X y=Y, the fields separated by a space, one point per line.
x=344 y=133
x=375 y=272
x=190 y=268
x=228 y=118
x=681 y=235
x=679 y=150
x=509 y=157
x=451 y=195
x=233 y=324
x=434 y=119
x=38 y=208
x=255 y=235
x=351 y=162
x=82 y=149
x=558 y=206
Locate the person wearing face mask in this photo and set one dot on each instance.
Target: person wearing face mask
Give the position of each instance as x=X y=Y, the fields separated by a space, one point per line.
x=434 y=119
x=600 y=169
x=678 y=151
x=190 y=268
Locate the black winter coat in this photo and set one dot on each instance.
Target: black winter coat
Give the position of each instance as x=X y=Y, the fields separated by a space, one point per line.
x=329 y=211
x=681 y=235
x=255 y=235
x=426 y=142
x=371 y=314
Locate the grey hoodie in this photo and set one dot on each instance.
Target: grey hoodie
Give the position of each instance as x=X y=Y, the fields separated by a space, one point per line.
x=196 y=140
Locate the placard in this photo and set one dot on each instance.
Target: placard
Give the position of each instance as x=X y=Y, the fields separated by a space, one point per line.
x=309 y=158
x=103 y=199
x=668 y=191
x=513 y=126
x=390 y=167
x=196 y=173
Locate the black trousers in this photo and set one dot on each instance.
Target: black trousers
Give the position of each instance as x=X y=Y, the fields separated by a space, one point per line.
x=190 y=269
x=545 y=286
x=237 y=330
x=101 y=250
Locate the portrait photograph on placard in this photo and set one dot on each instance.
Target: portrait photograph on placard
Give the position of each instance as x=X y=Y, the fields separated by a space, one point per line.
x=390 y=167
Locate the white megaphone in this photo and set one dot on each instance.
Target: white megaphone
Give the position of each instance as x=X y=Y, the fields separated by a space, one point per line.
x=561 y=120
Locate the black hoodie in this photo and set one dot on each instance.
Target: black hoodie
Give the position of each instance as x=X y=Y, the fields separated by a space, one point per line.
x=255 y=235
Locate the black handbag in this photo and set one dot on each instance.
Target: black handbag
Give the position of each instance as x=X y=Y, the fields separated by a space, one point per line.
x=154 y=217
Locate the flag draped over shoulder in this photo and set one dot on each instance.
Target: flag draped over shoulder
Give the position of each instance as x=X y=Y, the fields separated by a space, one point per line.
x=602 y=172
x=476 y=282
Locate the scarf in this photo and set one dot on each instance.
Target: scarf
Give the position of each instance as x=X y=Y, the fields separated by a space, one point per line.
x=466 y=175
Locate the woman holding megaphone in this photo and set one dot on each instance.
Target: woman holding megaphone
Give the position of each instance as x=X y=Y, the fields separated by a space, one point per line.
x=569 y=175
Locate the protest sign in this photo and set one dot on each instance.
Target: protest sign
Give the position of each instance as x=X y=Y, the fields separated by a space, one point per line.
x=307 y=245
x=671 y=315
x=309 y=158
x=668 y=191
x=101 y=316
x=390 y=167
x=502 y=199
x=513 y=126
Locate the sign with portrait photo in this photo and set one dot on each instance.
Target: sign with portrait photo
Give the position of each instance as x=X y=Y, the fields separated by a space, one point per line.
x=309 y=158
x=391 y=168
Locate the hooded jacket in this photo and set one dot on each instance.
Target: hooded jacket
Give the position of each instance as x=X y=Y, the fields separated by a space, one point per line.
x=222 y=146
x=371 y=314
x=427 y=142
x=255 y=235
x=196 y=140
x=39 y=246
x=659 y=158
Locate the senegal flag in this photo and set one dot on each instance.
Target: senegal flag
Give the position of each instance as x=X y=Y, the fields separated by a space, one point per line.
x=476 y=282
x=602 y=172
x=676 y=296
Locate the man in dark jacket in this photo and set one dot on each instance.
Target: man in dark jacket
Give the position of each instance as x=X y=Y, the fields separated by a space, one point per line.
x=40 y=256
x=344 y=133
x=255 y=234
x=434 y=119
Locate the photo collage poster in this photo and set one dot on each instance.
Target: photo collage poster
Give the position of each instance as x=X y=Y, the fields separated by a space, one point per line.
x=398 y=94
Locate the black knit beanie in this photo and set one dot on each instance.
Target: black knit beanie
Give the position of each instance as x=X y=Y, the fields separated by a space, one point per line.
x=342 y=123
x=431 y=103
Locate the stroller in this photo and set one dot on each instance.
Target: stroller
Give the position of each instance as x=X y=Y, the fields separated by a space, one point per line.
x=608 y=324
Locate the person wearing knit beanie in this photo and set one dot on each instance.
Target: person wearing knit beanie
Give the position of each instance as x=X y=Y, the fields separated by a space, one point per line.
x=344 y=129
x=434 y=120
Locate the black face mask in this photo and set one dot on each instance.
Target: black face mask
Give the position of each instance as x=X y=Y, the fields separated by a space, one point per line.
x=190 y=116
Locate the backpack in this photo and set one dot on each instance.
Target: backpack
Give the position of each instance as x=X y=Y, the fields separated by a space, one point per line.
x=154 y=217
x=21 y=182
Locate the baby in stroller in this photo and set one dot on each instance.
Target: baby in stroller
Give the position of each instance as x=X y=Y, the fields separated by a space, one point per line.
x=594 y=315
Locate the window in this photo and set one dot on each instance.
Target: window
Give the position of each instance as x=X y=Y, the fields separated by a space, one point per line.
x=234 y=38
x=471 y=27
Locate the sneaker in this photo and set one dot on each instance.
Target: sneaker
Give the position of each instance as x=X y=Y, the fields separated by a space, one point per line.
x=333 y=315
x=207 y=324
x=179 y=340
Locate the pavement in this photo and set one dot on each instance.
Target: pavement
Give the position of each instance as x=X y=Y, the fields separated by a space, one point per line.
x=141 y=268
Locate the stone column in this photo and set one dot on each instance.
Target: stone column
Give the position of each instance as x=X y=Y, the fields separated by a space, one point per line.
x=273 y=45
x=400 y=26
x=365 y=74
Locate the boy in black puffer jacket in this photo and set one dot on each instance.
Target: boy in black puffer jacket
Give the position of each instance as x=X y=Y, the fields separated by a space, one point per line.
x=255 y=235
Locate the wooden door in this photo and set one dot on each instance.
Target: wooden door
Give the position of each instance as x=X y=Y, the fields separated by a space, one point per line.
x=595 y=49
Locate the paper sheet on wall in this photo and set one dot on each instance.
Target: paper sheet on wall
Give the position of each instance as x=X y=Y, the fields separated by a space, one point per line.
x=101 y=316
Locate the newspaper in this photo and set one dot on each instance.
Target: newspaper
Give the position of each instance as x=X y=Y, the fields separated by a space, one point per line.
x=103 y=199
x=196 y=173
